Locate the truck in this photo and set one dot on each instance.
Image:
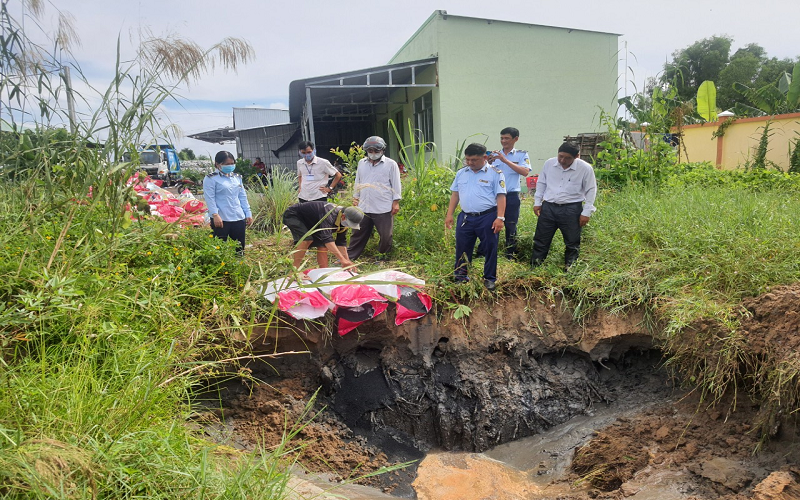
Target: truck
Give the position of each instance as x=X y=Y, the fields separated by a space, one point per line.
x=159 y=161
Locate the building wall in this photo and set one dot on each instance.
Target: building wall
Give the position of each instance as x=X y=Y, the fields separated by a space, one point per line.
x=548 y=82
x=261 y=143
x=740 y=141
x=249 y=118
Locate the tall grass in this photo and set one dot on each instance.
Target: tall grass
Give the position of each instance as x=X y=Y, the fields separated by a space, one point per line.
x=99 y=312
x=268 y=203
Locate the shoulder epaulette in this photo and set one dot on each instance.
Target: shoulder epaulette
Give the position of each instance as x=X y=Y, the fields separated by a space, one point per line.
x=212 y=174
x=497 y=170
x=522 y=151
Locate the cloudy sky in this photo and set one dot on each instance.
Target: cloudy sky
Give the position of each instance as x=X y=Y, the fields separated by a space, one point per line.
x=306 y=38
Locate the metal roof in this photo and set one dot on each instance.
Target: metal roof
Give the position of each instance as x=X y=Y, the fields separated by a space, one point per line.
x=216 y=136
x=354 y=93
x=249 y=118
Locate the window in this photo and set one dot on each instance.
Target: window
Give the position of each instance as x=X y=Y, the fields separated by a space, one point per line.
x=423 y=118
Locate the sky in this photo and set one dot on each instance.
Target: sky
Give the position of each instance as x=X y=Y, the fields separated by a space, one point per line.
x=306 y=38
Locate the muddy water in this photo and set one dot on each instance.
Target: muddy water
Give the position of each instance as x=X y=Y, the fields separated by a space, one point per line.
x=530 y=468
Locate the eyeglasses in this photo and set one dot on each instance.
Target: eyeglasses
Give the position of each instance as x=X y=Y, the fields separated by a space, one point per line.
x=373 y=150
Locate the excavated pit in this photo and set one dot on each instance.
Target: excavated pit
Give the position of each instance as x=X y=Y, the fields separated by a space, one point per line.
x=603 y=419
x=510 y=370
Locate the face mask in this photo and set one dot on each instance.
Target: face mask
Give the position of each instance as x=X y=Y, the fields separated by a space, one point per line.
x=227 y=169
x=374 y=156
x=310 y=156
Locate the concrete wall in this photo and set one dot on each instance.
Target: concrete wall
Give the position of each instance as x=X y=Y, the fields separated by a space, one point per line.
x=548 y=82
x=741 y=138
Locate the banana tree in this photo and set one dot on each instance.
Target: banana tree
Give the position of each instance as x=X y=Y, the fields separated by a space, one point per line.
x=780 y=97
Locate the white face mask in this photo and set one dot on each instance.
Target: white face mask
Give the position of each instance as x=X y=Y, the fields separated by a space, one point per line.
x=374 y=156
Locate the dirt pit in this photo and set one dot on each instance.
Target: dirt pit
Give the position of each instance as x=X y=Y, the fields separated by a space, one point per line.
x=450 y=390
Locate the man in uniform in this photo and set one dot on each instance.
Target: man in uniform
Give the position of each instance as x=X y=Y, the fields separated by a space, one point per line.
x=324 y=226
x=377 y=191
x=313 y=175
x=481 y=191
x=515 y=165
x=564 y=200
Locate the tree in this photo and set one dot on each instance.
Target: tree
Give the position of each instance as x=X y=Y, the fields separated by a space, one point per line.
x=744 y=67
x=691 y=66
x=750 y=67
x=186 y=154
x=781 y=96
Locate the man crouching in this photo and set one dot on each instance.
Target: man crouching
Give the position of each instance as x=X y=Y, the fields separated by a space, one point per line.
x=323 y=226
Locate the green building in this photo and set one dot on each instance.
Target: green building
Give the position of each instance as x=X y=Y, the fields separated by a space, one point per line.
x=462 y=79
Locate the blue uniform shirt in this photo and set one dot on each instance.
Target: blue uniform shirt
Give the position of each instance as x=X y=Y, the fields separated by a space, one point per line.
x=225 y=195
x=519 y=157
x=477 y=191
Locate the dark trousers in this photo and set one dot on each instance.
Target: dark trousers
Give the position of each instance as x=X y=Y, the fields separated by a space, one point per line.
x=234 y=230
x=469 y=229
x=565 y=217
x=512 y=217
x=384 y=223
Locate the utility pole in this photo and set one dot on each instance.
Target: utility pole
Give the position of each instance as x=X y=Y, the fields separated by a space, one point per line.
x=73 y=119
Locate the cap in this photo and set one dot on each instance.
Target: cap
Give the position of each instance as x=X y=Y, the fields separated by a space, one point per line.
x=352 y=217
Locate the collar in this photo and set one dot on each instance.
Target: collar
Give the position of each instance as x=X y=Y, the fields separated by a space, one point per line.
x=571 y=167
x=513 y=151
x=340 y=228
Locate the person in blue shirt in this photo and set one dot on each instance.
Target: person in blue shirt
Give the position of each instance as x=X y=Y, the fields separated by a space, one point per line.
x=481 y=191
x=226 y=199
x=515 y=165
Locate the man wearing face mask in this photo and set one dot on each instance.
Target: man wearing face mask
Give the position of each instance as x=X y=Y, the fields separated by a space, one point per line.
x=377 y=191
x=313 y=174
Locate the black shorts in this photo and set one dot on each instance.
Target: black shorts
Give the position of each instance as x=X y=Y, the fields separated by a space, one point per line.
x=299 y=229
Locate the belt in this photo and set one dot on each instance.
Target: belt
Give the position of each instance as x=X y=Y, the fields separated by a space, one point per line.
x=563 y=204
x=478 y=214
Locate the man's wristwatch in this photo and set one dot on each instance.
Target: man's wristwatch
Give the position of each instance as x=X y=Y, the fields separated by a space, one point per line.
x=502 y=218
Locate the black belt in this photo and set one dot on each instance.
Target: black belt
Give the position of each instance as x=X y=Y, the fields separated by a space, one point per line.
x=478 y=214
x=563 y=204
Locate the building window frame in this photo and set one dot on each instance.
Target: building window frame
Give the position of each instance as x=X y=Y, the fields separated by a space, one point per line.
x=423 y=119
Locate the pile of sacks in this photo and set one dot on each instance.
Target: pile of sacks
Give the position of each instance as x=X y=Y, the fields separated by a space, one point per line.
x=184 y=209
x=350 y=297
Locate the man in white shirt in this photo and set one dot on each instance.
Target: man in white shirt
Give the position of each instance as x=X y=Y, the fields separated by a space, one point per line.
x=313 y=174
x=564 y=200
x=377 y=191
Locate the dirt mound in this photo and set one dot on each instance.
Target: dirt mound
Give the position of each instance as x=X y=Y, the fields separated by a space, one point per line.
x=262 y=414
x=711 y=448
x=772 y=322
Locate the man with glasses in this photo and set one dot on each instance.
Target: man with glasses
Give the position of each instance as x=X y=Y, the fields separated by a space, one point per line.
x=376 y=190
x=481 y=191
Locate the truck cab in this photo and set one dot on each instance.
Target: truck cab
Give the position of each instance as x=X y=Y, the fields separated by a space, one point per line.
x=160 y=162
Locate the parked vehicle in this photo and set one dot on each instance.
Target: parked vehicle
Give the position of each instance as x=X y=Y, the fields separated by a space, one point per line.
x=159 y=161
